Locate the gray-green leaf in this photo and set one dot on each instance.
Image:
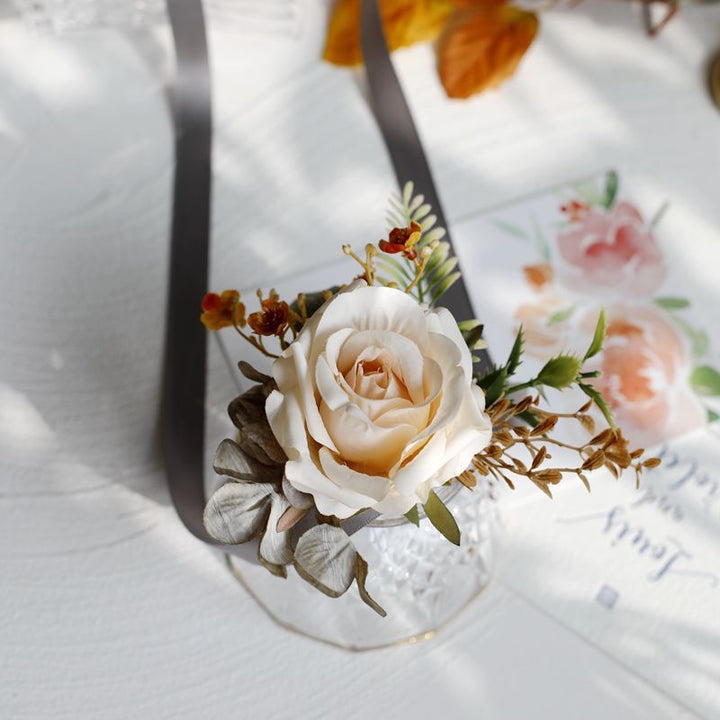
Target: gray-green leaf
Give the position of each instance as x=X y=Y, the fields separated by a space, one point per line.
x=442 y=518
x=361 y=571
x=274 y=551
x=233 y=461
x=325 y=557
x=237 y=511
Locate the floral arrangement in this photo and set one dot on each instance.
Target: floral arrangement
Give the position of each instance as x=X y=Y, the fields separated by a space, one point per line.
x=373 y=404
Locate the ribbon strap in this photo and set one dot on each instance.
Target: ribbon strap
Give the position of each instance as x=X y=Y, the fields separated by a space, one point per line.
x=184 y=374
x=183 y=393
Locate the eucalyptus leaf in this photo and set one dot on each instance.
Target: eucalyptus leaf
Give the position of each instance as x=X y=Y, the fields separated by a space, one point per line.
x=252 y=373
x=237 y=511
x=262 y=435
x=248 y=407
x=442 y=518
x=253 y=450
x=325 y=557
x=361 y=571
x=231 y=460
x=598 y=337
x=705 y=380
x=297 y=498
x=274 y=550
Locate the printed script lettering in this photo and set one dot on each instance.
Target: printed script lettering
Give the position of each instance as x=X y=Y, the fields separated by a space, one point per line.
x=681 y=490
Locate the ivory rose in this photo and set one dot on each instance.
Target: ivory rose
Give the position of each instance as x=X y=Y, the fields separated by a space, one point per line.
x=375 y=403
x=609 y=253
x=645 y=370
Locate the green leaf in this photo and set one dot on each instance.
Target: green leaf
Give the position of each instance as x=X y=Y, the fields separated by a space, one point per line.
x=598 y=337
x=705 y=380
x=442 y=518
x=494 y=384
x=509 y=228
x=408 y=190
x=437 y=233
x=559 y=372
x=442 y=271
x=599 y=400
x=611 y=188
x=671 y=303
x=712 y=416
x=515 y=353
x=439 y=255
x=561 y=315
x=442 y=287
x=413 y=515
x=588 y=192
x=472 y=332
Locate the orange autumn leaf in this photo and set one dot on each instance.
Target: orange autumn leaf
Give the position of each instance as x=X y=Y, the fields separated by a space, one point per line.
x=468 y=4
x=405 y=22
x=480 y=49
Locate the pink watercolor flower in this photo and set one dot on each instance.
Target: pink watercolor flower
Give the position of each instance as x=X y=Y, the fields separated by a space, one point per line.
x=645 y=372
x=610 y=253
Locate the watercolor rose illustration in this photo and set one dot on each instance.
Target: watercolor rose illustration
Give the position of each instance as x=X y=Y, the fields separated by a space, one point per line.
x=645 y=370
x=375 y=403
x=609 y=252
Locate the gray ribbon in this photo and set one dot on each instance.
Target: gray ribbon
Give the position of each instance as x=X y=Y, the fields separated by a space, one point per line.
x=186 y=339
x=183 y=393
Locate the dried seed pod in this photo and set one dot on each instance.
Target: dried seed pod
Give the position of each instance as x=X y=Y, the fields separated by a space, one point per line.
x=551 y=475
x=594 y=461
x=537 y=460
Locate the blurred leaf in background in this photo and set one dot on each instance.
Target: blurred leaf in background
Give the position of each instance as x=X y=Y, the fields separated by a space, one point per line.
x=481 y=42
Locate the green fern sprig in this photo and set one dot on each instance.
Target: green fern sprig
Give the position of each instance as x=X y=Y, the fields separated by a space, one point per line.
x=441 y=271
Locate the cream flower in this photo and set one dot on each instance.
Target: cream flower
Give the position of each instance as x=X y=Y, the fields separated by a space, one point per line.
x=376 y=403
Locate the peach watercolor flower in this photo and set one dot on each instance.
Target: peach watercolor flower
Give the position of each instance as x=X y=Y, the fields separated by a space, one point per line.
x=610 y=253
x=543 y=337
x=645 y=370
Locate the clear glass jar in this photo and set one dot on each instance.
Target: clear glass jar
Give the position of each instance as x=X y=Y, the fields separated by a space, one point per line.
x=422 y=580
